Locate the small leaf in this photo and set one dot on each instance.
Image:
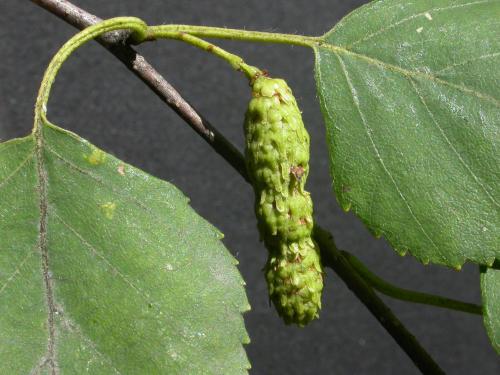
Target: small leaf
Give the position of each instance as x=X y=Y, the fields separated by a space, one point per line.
x=410 y=96
x=107 y=270
x=490 y=290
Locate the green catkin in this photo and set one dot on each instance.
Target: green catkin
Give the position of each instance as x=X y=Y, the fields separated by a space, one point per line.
x=277 y=157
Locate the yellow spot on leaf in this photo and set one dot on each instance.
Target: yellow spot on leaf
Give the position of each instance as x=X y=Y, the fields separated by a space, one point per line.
x=419 y=30
x=108 y=209
x=96 y=157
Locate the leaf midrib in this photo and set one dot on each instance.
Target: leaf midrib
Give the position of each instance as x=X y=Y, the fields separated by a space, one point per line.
x=323 y=43
x=50 y=357
x=123 y=194
x=407 y=73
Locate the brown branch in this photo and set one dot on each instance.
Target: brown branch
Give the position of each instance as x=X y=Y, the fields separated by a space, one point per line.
x=115 y=43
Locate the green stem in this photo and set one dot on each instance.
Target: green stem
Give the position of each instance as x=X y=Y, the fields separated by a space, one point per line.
x=169 y=31
x=409 y=295
x=235 y=61
x=120 y=23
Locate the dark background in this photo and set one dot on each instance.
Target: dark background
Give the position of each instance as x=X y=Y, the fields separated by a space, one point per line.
x=98 y=98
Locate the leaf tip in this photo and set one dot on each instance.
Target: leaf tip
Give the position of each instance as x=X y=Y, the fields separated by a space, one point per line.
x=346 y=206
x=401 y=252
x=376 y=232
x=246 y=340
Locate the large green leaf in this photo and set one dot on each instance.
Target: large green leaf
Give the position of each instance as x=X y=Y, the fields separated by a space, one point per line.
x=490 y=290
x=410 y=94
x=107 y=270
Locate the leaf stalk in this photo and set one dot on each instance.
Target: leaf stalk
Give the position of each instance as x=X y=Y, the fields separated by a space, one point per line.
x=396 y=292
x=168 y=31
x=119 y=23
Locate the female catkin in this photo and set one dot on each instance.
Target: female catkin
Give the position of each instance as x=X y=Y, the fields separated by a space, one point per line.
x=277 y=156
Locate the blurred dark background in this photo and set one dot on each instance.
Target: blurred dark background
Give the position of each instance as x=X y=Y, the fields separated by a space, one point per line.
x=98 y=98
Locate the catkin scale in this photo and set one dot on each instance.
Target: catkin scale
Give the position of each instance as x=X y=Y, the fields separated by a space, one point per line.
x=277 y=157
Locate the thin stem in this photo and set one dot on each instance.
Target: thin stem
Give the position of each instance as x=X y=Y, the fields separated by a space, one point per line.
x=235 y=61
x=165 y=31
x=409 y=295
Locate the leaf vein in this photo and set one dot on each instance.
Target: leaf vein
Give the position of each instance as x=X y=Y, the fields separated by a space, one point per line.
x=414 y=16
x=16 y=272
x=379 y=156
x=482 y=57
x=103 y=183
x=99 y=255
x=140 y=292
x=74 y=327
x=410 y=73
x=17 y=169
x=450 y=144
x=39 y=366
